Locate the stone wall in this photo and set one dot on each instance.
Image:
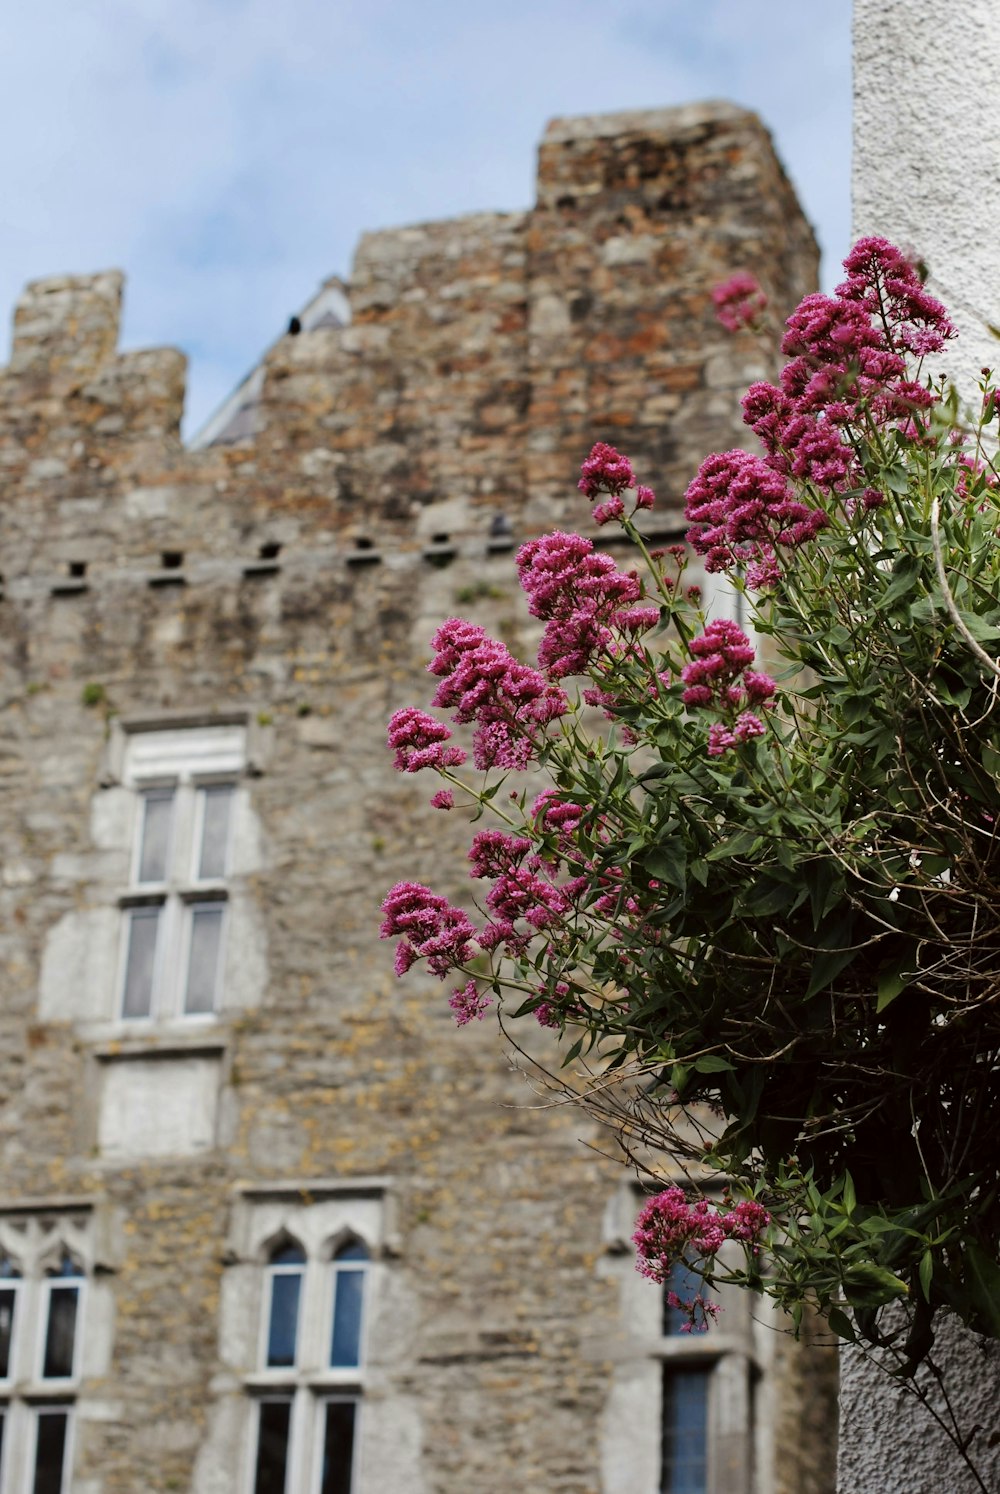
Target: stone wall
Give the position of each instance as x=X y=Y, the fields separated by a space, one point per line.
x=286 y=576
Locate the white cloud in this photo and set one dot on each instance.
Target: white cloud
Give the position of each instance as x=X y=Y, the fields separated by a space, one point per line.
x=228 y=153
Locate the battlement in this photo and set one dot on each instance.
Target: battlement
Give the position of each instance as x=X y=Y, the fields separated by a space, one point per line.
x=467 y=366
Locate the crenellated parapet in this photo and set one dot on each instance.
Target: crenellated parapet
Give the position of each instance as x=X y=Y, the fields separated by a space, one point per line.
x=453 y=385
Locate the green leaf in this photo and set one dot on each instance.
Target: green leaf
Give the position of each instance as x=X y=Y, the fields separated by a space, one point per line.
x=892 y=979
x=926 y=1274
x=740 y=844
x=841 y=1325
x=826 y=967
x=983 y=1280
x=868 y=1285
x=712 y=1063
x=668 y=863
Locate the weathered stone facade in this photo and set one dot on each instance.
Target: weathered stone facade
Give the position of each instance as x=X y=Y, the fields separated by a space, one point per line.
x=283 y=580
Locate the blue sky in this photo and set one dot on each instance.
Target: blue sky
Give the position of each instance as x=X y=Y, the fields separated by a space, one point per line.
x=227 y=154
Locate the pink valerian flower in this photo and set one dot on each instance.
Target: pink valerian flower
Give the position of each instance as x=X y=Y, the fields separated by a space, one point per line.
x=428 y=928
x=605 y=471
x=740 y=509
x=546 y=1015
x=747 y=1221
x=418 y=742
x=644 y=497
x=580 y=594
x=611 y=508
x=521 y=889
x=443 y=799
x=469 y=1003
x=669 y=1229
x=510 y=703
x=848 y=357
x=720 y=739
x=719 y=677
x=883 y=279
x=738 y=301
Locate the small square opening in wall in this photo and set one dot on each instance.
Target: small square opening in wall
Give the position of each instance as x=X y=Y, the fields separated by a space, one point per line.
x=266 y=563
x=171 y=573
x=74 y=581
x=364 y=552
x=440 y=552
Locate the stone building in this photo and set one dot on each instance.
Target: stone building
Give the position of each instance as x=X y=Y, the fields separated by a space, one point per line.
x=268 y=1224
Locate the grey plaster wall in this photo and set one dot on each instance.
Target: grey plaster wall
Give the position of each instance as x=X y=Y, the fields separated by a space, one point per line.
x=926 y=171
x=927 y=175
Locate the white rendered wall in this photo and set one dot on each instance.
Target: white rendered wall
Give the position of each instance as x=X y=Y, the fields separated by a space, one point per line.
x=927 y=158
x=927 y=175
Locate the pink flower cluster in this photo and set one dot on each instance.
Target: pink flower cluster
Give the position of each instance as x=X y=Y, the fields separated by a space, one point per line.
x=482 y=682
x=428 y=928
x=582 y=596
x=850 y=357
x=740 y=509
x=669 y=1228
x=522 y=888
x=418 y=742
x=738 y=301
x=607 y=471
x=719 y=677
x=468 y=1002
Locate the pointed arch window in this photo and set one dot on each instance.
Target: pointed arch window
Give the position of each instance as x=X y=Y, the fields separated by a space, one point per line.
x=11 y=1286
x=350 y=1270
x=60 y=1311
x=285 y=1272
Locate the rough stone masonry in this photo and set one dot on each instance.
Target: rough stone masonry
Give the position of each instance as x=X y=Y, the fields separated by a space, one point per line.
x=271 y=595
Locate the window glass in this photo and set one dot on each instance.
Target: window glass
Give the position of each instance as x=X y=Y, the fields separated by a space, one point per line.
x=685 y=1282
x=60 y=1328
x=283 y=1318
x=50 y=1451
x=8 y=1309
x=143 y=924
x=203 y=960
x=154 y=844
x=348 y=1303
x=214 y=850
x=273 y=1424
x=338 y=1447
x=684 y=1466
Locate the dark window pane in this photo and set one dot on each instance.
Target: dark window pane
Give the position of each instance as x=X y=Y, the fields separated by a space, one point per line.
x=143 y=924
x=7 y=1267
x=50 y=1452
x=354 y=1250
x=154 y=849
x=687 y=1284
x=203 y=962
x=348 y=1294
x=338 y=1447
x=216 y=803
x=8 y=1307
x=684 y=1467
x=288 y=1254
x=283 y=1321
x=3 y=1428
x=60 y=1334
x=273 y=1423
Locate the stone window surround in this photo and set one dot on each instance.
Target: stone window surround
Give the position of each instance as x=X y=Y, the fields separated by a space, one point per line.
x=319 y=1215
x=187 y=759
x=34 y=1233
x=631 y=1441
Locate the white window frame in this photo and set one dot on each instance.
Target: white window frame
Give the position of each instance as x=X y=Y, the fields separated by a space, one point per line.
x=69 y=1447
x=189 y=762
x=320 y=1401
x=44 y=1289
x=19 y=1286
x=347 y=1373
x=36 y=1245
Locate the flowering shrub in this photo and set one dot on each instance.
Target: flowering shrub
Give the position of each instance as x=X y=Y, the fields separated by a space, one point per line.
x=763 y=900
